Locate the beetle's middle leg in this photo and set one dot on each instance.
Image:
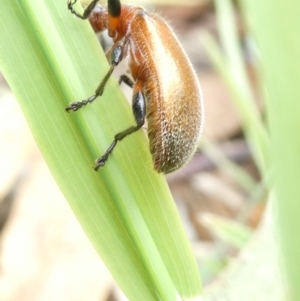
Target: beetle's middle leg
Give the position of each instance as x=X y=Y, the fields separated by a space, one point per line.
x=139 y=112
x=115 y=56
x=127 y=80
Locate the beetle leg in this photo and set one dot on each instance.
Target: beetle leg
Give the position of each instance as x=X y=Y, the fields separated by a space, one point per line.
x=74 y=106
x=86 y=12
x=127 y=80
x=139 y=112
x=116 y=55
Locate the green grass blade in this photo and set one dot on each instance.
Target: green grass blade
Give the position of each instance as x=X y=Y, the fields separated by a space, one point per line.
x=275 y=25
x=232 y=69
x=50 y=58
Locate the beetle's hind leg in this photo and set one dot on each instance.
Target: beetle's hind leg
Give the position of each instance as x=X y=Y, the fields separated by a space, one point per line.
x=139 y=112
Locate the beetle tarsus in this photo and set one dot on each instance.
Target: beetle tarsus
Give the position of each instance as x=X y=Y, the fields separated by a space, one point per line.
x=100 y=162
x=75 y=106
x=86 y=12
x=70 y=4
x=70 y=7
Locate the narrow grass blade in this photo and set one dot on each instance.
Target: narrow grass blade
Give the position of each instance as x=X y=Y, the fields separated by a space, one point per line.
x=232 y=69
x=275 y=26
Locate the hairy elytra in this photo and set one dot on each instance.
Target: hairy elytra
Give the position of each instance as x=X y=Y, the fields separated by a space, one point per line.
x=165 y=87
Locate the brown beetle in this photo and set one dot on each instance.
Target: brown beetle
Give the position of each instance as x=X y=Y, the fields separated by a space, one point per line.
x=165 y=87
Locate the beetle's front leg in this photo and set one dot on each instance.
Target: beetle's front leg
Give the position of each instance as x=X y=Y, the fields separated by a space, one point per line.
x=116 y=55
x=86 y=12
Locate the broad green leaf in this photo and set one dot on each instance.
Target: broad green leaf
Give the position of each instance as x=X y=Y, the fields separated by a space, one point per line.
x=50 y=58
